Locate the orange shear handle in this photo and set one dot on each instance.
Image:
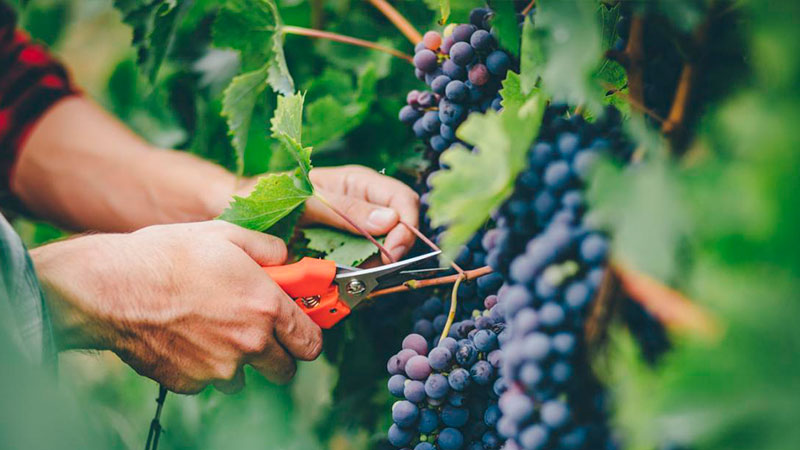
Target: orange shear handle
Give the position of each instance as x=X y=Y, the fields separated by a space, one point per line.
x=310 y=283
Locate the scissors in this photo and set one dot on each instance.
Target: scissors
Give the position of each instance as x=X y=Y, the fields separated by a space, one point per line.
x=328 y=292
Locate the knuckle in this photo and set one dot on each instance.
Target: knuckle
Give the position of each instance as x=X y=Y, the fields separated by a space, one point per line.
x=225 y=371
x=314 y=345
x=286 y=372
x=254 y=343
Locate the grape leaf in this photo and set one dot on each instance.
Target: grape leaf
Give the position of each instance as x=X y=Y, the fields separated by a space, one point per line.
x=477 y=182
x=531 y=56
x=505 y=22
x=444 y=7
x=340 y=246
x=254 y=28
x=154 y=24
x=238 y=102
x=274 y=197
x=277 y=195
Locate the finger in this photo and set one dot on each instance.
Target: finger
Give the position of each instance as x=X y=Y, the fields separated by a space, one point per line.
x=275 y=364
x=298 y=334
x=266 y=250
x=233 y=385
x=398 y=242
x=375 y=219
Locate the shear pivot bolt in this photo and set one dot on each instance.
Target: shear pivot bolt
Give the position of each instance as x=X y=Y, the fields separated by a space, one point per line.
x=355 y=287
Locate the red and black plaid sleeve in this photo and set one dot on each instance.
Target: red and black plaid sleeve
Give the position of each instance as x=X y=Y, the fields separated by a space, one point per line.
x=30 y=82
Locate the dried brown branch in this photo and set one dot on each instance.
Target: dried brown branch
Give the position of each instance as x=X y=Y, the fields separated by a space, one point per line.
x=631 y=101
x=289 y=29
x=419 y=284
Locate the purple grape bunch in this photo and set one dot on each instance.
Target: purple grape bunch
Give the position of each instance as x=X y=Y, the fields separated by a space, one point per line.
x=448 y=388
x=553 y=258
x=463 y=69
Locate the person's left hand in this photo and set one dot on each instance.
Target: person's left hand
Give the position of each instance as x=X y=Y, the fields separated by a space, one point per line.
x=374 y=201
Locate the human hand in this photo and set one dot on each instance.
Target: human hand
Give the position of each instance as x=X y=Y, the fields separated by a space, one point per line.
x=374 y=201
x=186 y=305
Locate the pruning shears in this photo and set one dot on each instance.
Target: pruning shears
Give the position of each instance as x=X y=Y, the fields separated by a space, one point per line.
x=328 y=292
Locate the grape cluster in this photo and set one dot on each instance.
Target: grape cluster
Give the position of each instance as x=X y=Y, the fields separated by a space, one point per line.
x=448 y=389
x=463 y=69
x=554 y=261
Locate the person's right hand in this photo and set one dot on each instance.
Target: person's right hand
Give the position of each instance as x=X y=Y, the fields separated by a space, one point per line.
x=186 y=305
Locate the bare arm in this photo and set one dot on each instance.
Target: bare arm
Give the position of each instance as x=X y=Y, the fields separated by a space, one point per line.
x=85 y=170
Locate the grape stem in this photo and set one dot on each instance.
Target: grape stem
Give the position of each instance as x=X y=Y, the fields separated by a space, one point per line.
x=419 y=284
x=631 y=101
x=430 y=244
x=529 y=8
x=356 y=226
x=290 y=29
x=453 y=305
x=398 y=20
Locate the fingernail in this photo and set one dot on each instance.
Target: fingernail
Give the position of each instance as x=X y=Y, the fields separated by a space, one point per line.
x=399 y=252
x=381 y=218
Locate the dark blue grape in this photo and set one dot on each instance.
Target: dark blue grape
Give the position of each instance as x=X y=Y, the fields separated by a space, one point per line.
x=459 y=379
x=428 y=421
x=450 y=439
x=436 y=386
x=481 y=40
x=439 y=83
x=516 y=406
x=450 y=113
x=440 y=358
x=404 y=413
x=409 y=114
x=466 y=354
x=568 y=145
x=425 y=60
x=456 y=91
x=477 y=15
x=447 y=132
x=534 y=437
x=555 y=414
x=454 y=417
x=594 y=249
x=397 y=384
x=453 y=70
x=492 y=415
x=424 y=446
x=463 y=32
x=399 y=437
x=439 y=143
x=414 y=391
x=485 y=340
x=430 y=121
x=557 y=175
x=481 y=373
x=498 y=63
x=461 y=53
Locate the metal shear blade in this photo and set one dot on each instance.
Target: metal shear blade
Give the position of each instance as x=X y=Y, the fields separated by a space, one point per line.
x=355 y=285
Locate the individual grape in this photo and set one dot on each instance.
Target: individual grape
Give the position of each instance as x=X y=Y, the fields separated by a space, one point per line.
x=534 y=437
x=478 y=15
x=593 y=249
x=485 y=340
x=454 y=417
x=414 y=391
x=424 y=446
x=404 y=413
x=428 y=421
x=424 y=327
x=568 y=145
x=577 y=295
x=450 y=439
x=466 y=354
x=530 y=375
x=450 y=113
x=478 y=75
x=564 y=343
x=461 y=53
x=498 y=62
x=439 y=84
x=430 y=121
x=425 y=60
x=458 y=379
x=436 y=386
x=463 y=32
x=397 y=384
x=418 y=129
x=551 y=315
x=432 y=40
x=481 y=373
x=417 y=367
x=454 y=71
x=492 y=415
x=426 y=99
x=440 y=358
x=536 y=346
x=456 y=91
x=561 y=372
x=447 y=43
x=516 y=406
x=481 y=40
x=399 y=437
x=495 y=358
x=417 y=343
x=409 y=114
x=555 y=414
x=557 y=176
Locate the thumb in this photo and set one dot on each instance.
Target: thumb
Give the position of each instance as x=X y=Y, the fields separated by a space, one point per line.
x=375 y=219
x=265 y=249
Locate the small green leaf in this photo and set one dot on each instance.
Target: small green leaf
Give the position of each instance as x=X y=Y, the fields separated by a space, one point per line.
x=238 y=101
x=476 y=183
x=274 y=197
x=340 y=246
x=287 y=125
x=153 y=24
x=532 y=56
x=505 y=22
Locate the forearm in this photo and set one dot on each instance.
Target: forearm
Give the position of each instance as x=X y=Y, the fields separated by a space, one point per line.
x=87 y=171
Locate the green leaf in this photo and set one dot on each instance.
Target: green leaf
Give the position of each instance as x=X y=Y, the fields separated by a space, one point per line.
x=274 y=197
x=154 y=25
x=476 y=183
x=287 y=125
x=532 y=56
x=254 y=28
x=340 y=246
x=238 y=101
x=505 y=22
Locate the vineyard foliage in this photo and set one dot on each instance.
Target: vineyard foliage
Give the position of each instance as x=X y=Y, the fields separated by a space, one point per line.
x=707 y=204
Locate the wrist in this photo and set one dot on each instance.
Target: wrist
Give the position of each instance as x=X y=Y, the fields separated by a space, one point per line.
x=77 y=321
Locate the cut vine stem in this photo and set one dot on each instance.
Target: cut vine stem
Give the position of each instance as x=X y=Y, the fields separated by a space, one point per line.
x=309 y=32
x=398 y=20
x=429 y=282
x=529 y=8
x=451 y=315
x=356 y=226
x=430 y=244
